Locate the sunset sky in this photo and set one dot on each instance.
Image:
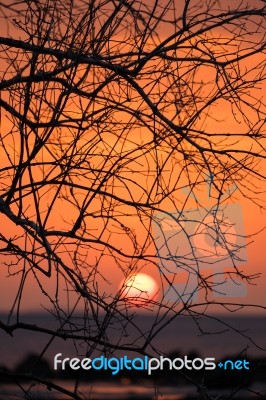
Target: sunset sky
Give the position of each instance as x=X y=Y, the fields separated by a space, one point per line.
x=134 y=178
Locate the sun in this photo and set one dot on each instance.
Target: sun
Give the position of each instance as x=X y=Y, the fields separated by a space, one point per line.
x=139 y=289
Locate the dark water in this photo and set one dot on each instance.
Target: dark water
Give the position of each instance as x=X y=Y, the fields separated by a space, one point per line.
x=103 y=391
x=233 y=336
x=181 y=335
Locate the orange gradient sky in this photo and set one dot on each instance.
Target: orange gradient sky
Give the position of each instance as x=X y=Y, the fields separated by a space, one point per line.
x=110 y=273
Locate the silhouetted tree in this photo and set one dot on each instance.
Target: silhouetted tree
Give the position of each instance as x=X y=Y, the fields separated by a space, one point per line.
x=129 y=131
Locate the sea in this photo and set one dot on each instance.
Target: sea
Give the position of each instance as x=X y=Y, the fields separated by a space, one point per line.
x=216 y=336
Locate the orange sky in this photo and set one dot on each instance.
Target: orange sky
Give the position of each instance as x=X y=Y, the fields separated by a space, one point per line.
x=110 y=267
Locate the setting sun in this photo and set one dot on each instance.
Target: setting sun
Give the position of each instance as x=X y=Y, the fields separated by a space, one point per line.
x=140 y=288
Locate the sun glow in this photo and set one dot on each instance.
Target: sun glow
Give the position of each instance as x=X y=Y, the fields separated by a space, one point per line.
x=140 y=288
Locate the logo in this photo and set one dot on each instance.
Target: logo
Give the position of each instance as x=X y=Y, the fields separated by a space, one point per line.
x=116 y=365
x=197 y=240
